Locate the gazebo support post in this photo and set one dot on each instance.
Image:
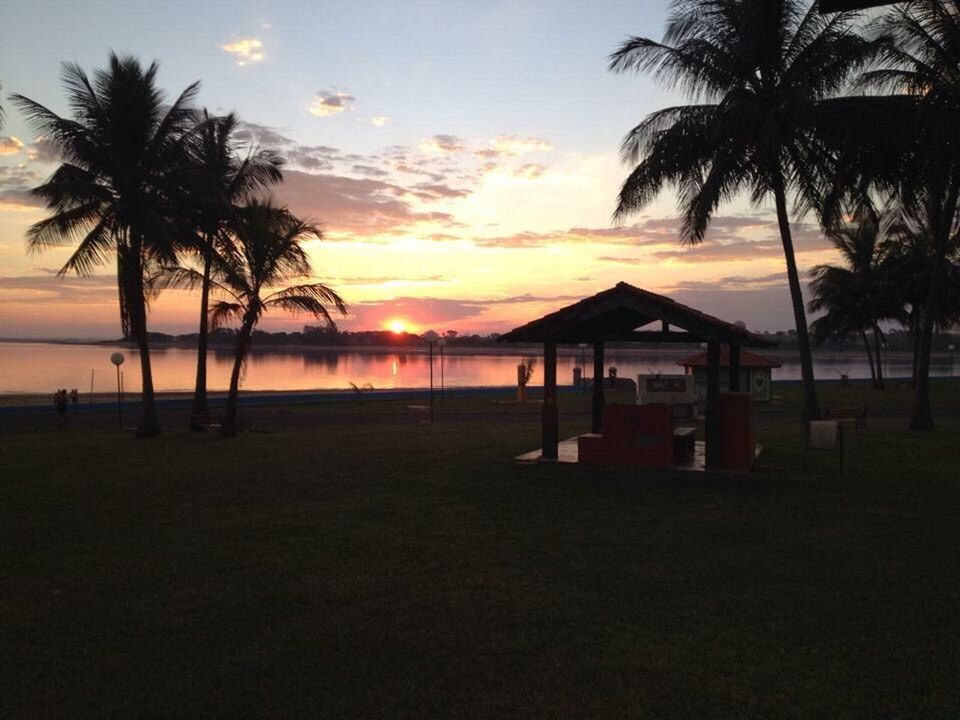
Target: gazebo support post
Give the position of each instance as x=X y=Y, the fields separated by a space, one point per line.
x=598 y=399
x=734 y=368
x=551 y=418
x=713 y=405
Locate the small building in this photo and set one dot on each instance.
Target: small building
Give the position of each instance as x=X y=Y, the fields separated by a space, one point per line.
x=755 y=372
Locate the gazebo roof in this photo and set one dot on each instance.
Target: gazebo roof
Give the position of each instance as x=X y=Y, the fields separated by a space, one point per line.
x=747 y=359
x=616 y=314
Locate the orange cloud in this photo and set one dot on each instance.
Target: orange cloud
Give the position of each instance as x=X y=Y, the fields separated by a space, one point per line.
x=245 y=50
x=10 y=145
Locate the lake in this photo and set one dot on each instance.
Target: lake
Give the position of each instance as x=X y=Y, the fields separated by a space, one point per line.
x=43 y=367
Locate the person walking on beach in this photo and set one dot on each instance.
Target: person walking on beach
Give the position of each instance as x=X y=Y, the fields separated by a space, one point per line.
x=74 y=396
x=60 y=402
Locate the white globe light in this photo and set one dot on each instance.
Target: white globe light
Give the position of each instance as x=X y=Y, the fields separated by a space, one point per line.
x=117 y=358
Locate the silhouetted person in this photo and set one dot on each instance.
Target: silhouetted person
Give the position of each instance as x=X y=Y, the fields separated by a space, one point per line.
x=60 y=402
x=74 y=396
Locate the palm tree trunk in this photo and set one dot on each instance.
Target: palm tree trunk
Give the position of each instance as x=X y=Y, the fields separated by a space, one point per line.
x=149 y=423
x=866 y=344
x=915 y=336
x=199 y=409
x=811 y=408
x=229 y=426
x=876 y=344
x=921 y=418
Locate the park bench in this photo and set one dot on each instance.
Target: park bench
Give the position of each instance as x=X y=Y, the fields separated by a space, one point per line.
x=684 y=443
x=857 y=416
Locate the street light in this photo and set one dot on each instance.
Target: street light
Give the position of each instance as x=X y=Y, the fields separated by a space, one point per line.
x=117 y=359
x=431 y=337
x=441 y=342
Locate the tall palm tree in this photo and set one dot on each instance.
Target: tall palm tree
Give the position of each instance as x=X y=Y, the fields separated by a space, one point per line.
x=858 y=295
x=921 y=62
x=269 y=254
x=230 y=175
x=118 y=187
x=757 y=73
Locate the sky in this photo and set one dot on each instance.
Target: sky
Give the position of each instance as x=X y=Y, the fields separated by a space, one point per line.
x=461 y=158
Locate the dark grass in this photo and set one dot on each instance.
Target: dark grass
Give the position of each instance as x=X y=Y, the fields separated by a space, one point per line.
x=337 y=569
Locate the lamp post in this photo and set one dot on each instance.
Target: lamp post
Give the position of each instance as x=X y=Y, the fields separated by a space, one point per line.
x=431 y=337
x=950 y=347
x=117 y=359
x=441 y=342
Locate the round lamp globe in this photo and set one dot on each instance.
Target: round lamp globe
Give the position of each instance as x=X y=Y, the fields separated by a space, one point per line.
x=117 y=358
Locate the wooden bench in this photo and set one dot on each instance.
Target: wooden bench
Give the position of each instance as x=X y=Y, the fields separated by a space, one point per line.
x=857 y=416
x=684 y=443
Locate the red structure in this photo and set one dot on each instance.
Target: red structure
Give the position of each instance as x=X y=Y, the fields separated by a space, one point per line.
x=632 y=435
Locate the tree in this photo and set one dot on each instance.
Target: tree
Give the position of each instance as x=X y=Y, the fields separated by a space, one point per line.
x=921 y=62
x=758 y=73
x=910 y=260
x=228 y=177
x=268 y=254
x=120 y=185
x=858 y=295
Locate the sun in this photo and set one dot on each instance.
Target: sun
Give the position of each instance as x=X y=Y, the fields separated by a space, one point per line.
x=398 y=326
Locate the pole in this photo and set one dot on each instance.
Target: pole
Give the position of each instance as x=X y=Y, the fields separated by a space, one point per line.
x=91 y=384
x=443 y=392
x=119 y=400
x=431 y=382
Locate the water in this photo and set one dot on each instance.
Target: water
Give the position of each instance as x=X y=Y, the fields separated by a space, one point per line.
x=42 y=367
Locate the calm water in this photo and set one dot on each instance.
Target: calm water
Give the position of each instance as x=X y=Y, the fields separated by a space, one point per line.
x=41 y=367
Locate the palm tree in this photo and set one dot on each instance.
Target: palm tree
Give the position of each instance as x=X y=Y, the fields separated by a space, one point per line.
x=910 y=255
x=269 y=253
x=118 y=187
x=229 y=176
x=757 y=73
x=857 y=295
x=921 y=62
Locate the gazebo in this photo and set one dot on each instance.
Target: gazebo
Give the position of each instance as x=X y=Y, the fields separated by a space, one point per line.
x=623 y=314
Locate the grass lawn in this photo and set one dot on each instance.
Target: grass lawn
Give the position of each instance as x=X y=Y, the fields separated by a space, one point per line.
x=350 y=570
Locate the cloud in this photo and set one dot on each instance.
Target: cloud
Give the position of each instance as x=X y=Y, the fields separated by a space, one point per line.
x=10 y=145
x=512 y=145
x=379 y=120
x=245 y=50
x=427 y=311
x=313 y=157
x=369 y=171
x=43 y=150
x=355 y=206
x=443 y=145
x=262 y=135
x=428 y=191
x=530 y=171
x=331 y=102
x=15 y=186
x=52 y=289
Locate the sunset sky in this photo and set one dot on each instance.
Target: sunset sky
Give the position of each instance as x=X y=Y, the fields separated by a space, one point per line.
x=462 y=158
